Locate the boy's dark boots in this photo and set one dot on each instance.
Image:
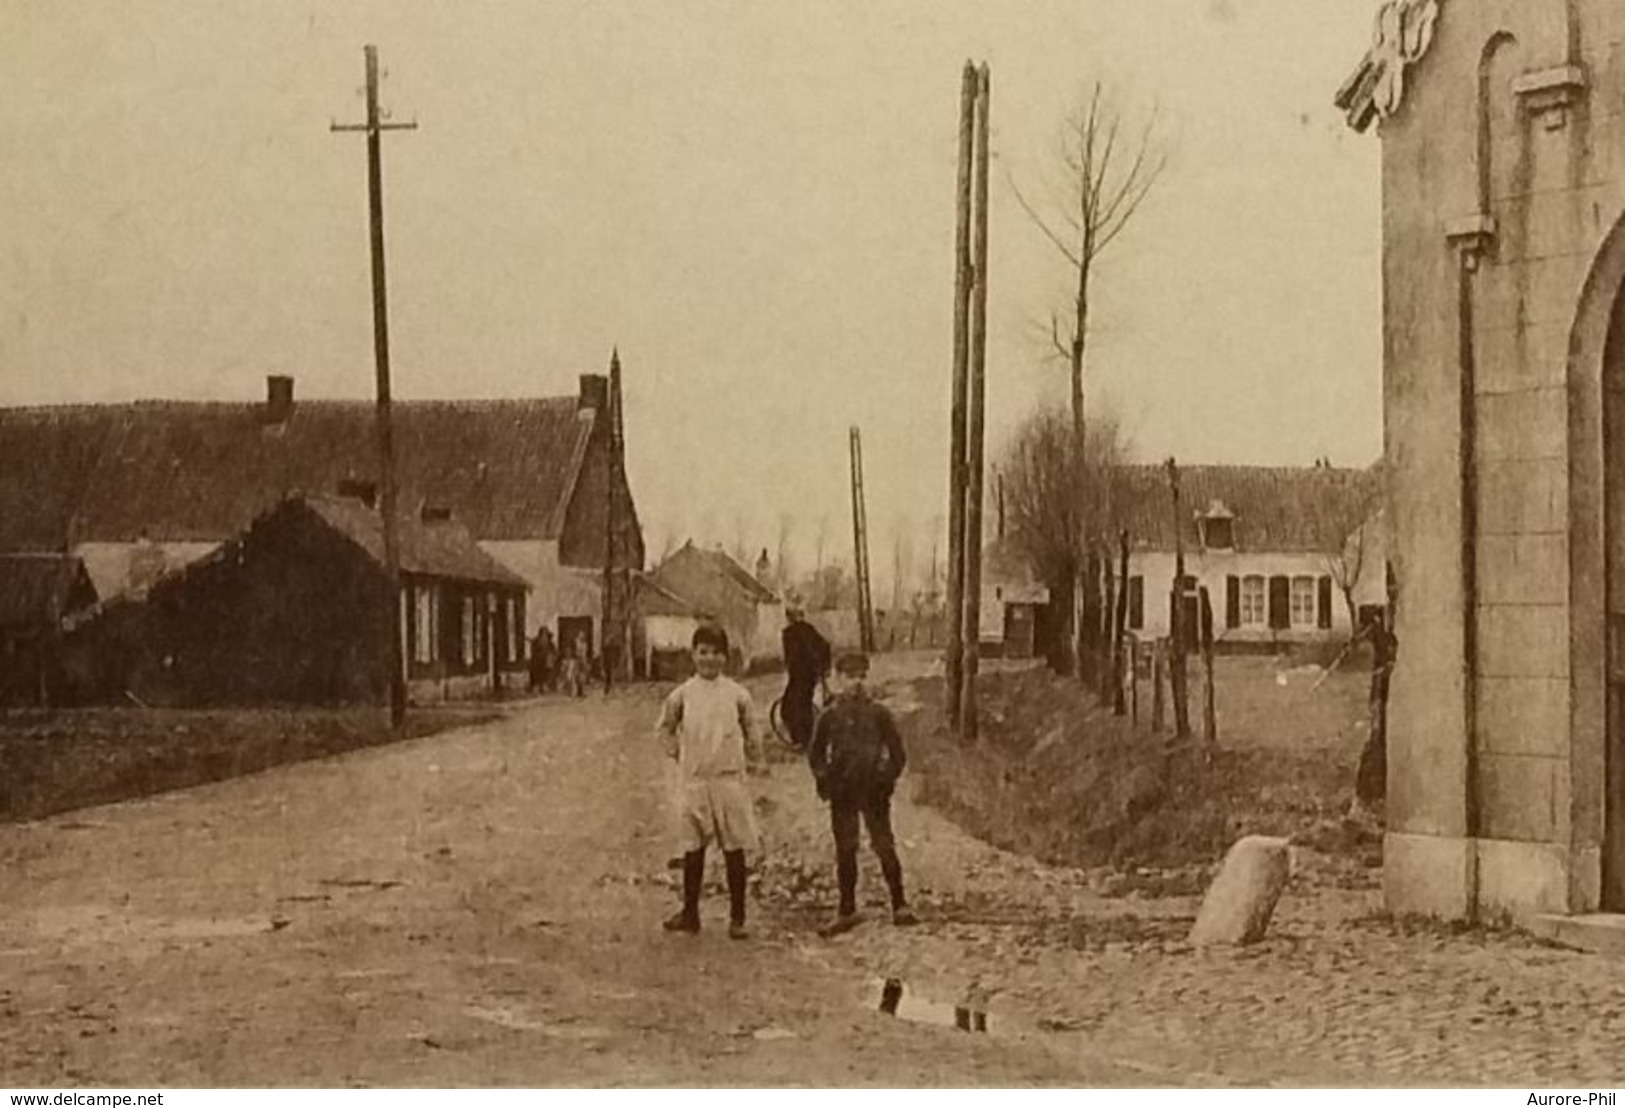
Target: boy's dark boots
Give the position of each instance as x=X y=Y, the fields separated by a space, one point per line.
x=846 y=878
x=892 y=869
x=735 y=862
x=693 y=881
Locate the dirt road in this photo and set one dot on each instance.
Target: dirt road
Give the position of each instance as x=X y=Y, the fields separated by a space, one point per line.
x=482 y=908
x=475 y=908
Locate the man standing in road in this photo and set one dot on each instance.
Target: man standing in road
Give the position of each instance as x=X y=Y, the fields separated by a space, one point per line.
x=806 y=661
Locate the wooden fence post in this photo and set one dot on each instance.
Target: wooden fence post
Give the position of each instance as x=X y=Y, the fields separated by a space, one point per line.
x=1156 y=685
x=1209 y=715
x=1134 y=681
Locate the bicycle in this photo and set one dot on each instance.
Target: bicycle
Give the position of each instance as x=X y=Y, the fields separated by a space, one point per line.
x=775 y=717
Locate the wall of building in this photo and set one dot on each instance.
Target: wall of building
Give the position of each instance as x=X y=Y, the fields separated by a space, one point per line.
x=555 y=590
x=1212 y=569
x=1495 y=778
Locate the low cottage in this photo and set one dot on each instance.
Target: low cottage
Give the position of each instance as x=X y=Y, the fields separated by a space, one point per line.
x=1013 y=600
x=37 y=592
x=716 y=587
x=1288 y=555
x=296 y=610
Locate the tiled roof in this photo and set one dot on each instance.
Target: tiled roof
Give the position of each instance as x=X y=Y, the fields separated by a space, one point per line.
x=1285 y=509
x=203 y=471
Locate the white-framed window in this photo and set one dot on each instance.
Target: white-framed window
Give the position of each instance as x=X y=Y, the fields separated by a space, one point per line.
x=470 y=632
x=1303 y=602
x=1255 y=599
x=425 y=625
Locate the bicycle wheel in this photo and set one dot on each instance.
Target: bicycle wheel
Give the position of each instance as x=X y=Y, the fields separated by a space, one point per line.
x=775 y=718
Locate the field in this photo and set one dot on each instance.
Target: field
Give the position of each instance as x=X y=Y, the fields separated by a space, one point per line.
x=57 y=761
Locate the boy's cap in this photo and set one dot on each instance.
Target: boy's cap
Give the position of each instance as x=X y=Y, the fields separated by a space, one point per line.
x=852 y=664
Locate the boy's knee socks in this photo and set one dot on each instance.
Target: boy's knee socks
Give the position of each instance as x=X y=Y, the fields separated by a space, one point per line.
x=735 y=862
x=693 y=881
x=892 y=870
x=846 y=879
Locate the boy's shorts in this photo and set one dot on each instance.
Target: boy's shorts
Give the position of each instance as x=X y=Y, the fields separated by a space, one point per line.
x=715 y=811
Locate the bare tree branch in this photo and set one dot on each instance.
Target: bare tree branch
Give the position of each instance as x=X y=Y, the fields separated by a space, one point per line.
x=1038 y=221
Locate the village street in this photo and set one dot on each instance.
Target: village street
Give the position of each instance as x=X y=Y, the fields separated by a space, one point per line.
x=482 y=907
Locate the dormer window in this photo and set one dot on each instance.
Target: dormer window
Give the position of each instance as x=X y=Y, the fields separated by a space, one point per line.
x=1218 y=527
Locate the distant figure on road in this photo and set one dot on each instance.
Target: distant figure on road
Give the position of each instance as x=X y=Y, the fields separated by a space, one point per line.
x=576 y=661
x=543 y=661
x=709 y=725
x=857 y=756
x=806 y=662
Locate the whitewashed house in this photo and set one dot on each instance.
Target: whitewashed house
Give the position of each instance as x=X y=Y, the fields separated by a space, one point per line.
x=1281 y=551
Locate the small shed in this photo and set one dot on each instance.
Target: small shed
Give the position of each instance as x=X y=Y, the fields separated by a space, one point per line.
x=1012 y=599
x=669 y=623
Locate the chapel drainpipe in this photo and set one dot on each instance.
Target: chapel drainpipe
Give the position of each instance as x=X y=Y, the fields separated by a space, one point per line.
x=1467 y=265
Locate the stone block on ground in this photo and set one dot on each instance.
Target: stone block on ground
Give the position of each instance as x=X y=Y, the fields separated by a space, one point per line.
x=1239 y=903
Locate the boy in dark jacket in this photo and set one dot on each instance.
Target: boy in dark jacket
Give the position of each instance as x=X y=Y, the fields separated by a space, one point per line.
x=857 y=756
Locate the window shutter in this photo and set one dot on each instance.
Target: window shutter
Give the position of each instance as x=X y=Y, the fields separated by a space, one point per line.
x=1232 y=601
x=1280 y=603
x=1136 y=603
x=1324 y=604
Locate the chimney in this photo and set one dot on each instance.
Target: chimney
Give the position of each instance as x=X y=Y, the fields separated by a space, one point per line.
x=278 y=399
x=594 y=393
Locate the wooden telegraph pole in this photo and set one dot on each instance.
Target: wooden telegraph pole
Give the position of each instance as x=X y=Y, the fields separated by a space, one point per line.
x=607 y=614
x=1176 y=616
x=374 y=128
x=957 y=436
x=628 y=606
x=860 y=546
x=978 y=388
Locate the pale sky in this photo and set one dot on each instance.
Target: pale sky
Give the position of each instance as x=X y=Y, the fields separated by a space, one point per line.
x=753 y=199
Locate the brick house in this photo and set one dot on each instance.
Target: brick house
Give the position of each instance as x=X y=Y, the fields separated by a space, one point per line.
x=140 y=490
x=1504 y=403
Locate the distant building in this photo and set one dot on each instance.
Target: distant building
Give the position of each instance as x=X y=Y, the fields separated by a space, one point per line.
x=716 y=587
x=295 y=610
x=1013 y=600
x=141 y=490
x=1272 y=546
x=37 y=592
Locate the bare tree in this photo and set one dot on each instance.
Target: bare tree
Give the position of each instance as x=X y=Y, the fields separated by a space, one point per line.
x=782 y=571
x=1048 y=494
x=740 y=550
x=902 y=560
x=669 y=532
x=1350 y=527
x=1110 y=168
x=821 y=541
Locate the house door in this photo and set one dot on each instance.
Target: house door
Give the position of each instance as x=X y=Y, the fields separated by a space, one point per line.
x=1613 y=440
x=572 y=626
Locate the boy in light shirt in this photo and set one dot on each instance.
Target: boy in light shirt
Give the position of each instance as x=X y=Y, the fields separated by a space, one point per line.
x=709 y=724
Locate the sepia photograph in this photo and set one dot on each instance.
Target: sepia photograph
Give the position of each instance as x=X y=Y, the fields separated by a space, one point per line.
x=756 y=544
